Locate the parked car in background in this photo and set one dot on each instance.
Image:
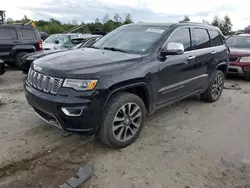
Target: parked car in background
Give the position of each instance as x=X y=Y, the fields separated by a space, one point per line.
x=85 y=41
x=239 y=55
x=43 y=35
x=2 y=67
x=58 y=41
x=133 y=71
x=17 y=40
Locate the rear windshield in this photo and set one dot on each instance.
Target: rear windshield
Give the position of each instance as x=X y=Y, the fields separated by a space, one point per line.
x=239 y=41
x=52 y=38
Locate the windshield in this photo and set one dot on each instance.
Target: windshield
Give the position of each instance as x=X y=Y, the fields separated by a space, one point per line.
x=77 y=46
x=131 y=38
x=239 y=41
x=52 y=38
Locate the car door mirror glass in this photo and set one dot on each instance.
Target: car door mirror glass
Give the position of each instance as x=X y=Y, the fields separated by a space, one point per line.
x=56 y=42
x=173 y=48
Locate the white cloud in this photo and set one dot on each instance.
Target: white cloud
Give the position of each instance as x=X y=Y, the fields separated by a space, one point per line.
x=238 y=10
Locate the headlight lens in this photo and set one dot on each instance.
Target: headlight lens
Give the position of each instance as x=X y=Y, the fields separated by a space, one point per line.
x=245 y=59
x=80 y=85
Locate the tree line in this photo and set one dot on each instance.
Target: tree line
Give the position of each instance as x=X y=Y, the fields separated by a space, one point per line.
x=224 y=24
x=52 y=26
x=106 y=24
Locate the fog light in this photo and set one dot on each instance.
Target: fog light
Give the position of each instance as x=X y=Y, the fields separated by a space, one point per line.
x=72 y=111
x=246 y=68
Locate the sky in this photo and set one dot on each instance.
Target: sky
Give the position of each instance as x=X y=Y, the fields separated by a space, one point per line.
x=141 y=10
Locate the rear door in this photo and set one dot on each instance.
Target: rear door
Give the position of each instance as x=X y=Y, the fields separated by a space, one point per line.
x=29 y=37
x=203 y=57
x=219 y=48
x=8 y=39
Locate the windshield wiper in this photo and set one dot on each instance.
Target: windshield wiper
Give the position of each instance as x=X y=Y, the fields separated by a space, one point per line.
x=91 y=47
x=115 y=49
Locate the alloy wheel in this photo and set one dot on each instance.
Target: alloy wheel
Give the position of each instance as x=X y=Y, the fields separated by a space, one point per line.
x=217 y=86
x=126 y=122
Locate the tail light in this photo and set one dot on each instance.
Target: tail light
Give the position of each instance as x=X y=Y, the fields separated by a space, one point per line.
x=40 y=45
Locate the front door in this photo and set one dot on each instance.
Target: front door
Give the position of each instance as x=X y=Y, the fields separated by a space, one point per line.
x=176 y=72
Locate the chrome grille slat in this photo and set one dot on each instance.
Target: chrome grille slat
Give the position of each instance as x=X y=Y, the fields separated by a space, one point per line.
x=44 y=83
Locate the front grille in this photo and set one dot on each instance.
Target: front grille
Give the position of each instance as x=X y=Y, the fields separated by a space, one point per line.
x=44 y=83
x=232 y=59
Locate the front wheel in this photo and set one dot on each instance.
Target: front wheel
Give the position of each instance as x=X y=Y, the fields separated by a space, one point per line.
x=18 y=60
x=123 y=120
x=215 y=88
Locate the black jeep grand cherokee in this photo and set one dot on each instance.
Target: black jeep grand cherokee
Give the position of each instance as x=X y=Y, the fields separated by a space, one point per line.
x=110 y=87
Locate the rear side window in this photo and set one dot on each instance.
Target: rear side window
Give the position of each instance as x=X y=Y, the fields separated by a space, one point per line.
x=215 y=38
x=182 y=36
x=8 y=34
x=90 y=42
x=201 y=39
x=28 y=34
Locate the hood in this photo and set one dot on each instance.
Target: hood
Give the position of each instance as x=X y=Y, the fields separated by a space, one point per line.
x=82 y=63
x=239 y=51
x=39 y=54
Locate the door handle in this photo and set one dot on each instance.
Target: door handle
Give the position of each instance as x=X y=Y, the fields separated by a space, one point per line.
x=16 y=42
x=191 y=57
x=214 y=52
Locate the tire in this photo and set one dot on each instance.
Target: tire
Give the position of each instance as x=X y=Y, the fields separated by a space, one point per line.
x=215 y=88
x=247 y=78
x=18 y=61
x=110 y=128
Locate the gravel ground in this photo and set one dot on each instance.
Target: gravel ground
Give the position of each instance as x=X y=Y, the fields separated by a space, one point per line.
x=187 y=145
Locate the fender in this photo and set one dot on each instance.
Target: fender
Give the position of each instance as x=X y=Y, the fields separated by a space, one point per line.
x=18 y=48
x=211 y=77
x=124 y=87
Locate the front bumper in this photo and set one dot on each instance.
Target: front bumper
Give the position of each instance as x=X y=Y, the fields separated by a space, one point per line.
x=2 y=68
x=51 y=108
x=242 y=69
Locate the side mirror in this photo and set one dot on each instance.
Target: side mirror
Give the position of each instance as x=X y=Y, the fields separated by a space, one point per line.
x=56 y=42
x=172 y=48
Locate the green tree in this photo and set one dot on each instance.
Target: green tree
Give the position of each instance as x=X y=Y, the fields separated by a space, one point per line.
x=54 y=26
x=225 y=24
x=2 y=16
x=128 y=19
x=185 y=19
x=105 y=19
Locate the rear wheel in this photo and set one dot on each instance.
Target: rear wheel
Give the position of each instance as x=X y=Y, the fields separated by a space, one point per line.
x=247 y=78
x=18 y=61
x=215 y=88
x=123 y=120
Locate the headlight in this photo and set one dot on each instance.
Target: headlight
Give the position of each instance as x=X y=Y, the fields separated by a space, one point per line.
x=80 y=85
x=245 y=59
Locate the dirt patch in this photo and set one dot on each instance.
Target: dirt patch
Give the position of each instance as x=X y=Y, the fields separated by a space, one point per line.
x=190 y=144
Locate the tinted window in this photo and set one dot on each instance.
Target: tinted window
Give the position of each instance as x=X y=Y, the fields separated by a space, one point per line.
x=182 y=36
x=28 y=34
x=201 y=39
x=8 y=34
x=90 y=42
x=215 y=38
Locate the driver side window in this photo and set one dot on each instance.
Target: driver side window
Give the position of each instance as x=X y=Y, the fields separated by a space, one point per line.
x=182 y=36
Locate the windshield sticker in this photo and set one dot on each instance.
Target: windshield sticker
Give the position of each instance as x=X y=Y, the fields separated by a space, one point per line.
x=155 y=30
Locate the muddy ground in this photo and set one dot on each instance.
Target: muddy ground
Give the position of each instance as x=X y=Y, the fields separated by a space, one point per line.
x=187 y=145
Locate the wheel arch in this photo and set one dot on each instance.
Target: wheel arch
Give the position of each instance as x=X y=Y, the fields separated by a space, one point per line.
x=138 y=88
